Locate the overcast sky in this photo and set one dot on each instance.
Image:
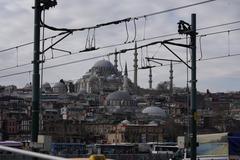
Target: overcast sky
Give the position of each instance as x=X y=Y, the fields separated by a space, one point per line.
x=219 y=75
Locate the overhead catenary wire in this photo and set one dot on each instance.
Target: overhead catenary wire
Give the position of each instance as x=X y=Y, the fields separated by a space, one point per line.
x=126 y=27
x=57 y=65
x=119 y=52
x=201 y=60
x=30 y=43
x=121 y=21
x=107 y=46
x=105 y=55
x=115 y=22
x=174 y=9
x=200 y=46
x=115 y=45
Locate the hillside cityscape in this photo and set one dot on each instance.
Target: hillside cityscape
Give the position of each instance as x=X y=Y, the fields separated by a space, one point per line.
x=105 y=107
x=119 y=80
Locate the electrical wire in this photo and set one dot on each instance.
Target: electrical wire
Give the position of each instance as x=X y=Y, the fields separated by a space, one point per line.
x=174 y=9
x=204 y=59
x=219 y=25
x=127 y=20
x=57 y=65
x=52 y=48
x=101 y=56
x=126 y=27
x=115 y=22
x=114 y=45
x=200 y=46
x=29 y=43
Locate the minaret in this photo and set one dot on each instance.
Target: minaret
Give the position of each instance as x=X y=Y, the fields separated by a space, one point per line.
x=171 y=79
x=135 y=66
x=150 y=78
x=125 y=78
x=115 y=60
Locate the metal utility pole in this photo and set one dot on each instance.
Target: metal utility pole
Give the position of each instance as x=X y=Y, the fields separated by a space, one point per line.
x=150 y=78
x=115 y=60
x=171 y=79
x=193 y=89
x=185 y=28
x=36 y=75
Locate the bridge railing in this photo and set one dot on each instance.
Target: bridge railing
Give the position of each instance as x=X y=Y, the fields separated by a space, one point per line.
x=29 y=153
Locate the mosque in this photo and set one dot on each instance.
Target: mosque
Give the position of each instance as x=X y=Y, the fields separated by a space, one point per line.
x=112 y=88
x=102 y=78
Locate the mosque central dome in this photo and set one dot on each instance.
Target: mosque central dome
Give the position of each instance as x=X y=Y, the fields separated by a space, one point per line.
x=103 y=64
x=104 y=67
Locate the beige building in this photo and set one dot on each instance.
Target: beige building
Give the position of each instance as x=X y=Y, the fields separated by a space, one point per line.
x=136 y=133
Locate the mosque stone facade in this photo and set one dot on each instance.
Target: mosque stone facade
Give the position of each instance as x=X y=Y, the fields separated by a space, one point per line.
x=103 y=77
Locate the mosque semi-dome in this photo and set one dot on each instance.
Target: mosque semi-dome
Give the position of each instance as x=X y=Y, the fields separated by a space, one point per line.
x=119 y=95
x=120 y=98
x=155 y=111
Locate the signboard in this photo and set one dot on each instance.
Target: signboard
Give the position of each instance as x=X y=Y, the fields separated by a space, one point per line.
x=234 y=146
x=181 y=141
x=212 y=145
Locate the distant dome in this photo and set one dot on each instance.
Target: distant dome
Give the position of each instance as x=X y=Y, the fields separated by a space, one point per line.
x=153 y=123
x=154 y=111
x=120 y=98
x=28 y=86
x=119 y=95
x=60 y=87
x=125 y=122
x=46 y=87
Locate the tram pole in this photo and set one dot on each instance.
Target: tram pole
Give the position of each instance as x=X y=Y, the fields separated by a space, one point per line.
x=36 y=75
x=193 y=89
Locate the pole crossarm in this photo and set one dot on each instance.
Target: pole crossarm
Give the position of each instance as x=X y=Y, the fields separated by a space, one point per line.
x=162 y=59
x=177 y=44
x=146 y=67
x=154 y=61
x=61 y=50
x=176 y=55
x=51 y=46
